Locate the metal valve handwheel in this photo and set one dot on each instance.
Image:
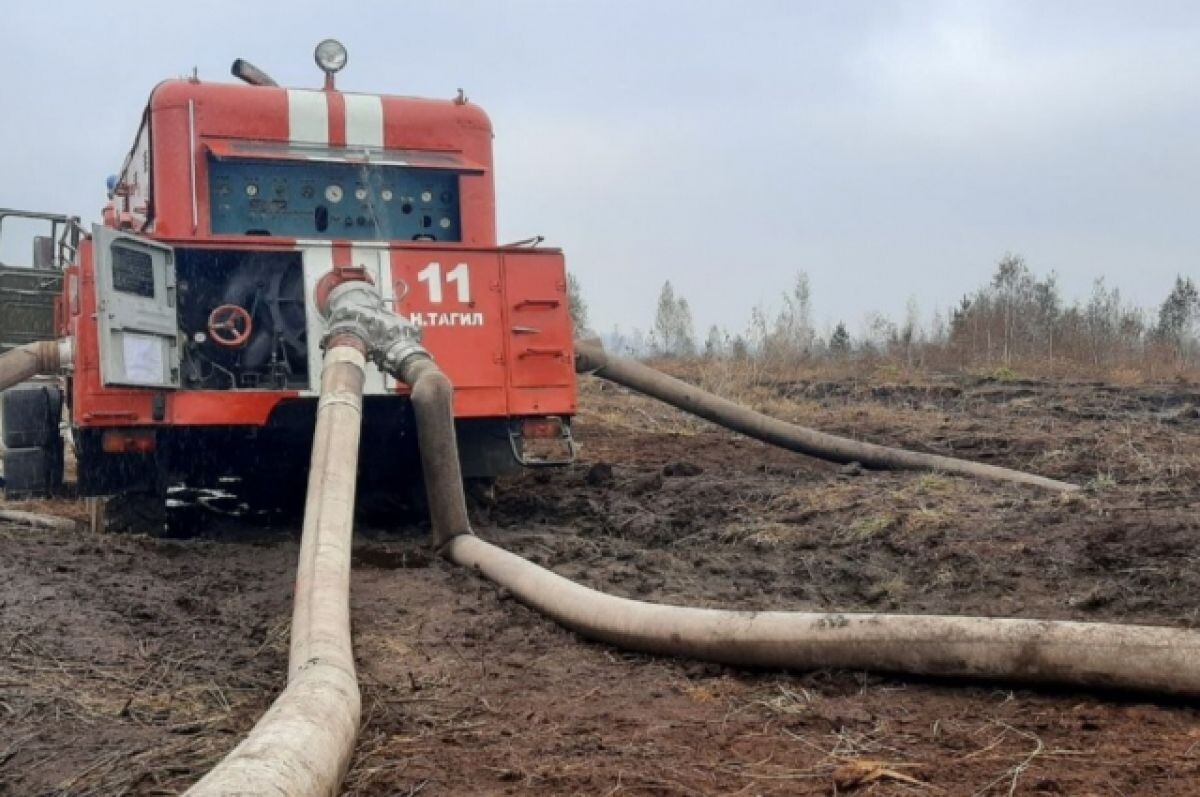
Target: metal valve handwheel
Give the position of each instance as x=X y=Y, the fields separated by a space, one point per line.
x=230 y=326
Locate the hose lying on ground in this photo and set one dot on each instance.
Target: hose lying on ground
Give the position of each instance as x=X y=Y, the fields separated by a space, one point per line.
x=594 y=360
x=302 y=745
x=37 y=520
x=1142 y=658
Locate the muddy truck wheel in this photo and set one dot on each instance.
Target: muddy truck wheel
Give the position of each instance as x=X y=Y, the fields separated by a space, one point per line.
x=33 y=446
x=31 y=416
x=33 y=472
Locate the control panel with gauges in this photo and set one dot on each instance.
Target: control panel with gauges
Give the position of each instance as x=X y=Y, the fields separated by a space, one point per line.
x=338 y=200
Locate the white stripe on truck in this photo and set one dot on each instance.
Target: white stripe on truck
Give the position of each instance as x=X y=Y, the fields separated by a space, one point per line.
x=364 y=120
x=371 y=257
x=318 y=261
x=308 y=116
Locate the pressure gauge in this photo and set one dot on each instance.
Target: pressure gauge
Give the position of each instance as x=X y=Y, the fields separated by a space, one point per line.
x=251 y=189
x=426 y=196
x=386 y=194
x=360 y=194
x=333 y=193
x=445 y=223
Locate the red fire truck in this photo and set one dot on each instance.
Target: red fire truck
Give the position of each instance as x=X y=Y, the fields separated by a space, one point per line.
x=196 y=341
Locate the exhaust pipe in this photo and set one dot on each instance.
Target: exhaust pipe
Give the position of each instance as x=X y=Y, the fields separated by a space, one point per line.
x=592 y=359
x=248 y=72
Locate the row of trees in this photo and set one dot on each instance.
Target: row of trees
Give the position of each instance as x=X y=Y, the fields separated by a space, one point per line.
x=1016 y=317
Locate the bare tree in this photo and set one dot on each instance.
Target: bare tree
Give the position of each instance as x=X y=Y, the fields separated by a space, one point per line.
x=673 y=335
x=1178 y=317
x=909 y=334
x=791 y=336
x=577 y=306
x=715 y=344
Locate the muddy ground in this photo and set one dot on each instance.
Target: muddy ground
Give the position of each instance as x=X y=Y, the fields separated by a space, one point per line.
x=128 y=665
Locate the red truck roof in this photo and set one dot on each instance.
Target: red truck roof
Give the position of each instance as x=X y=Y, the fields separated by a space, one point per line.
x=163 y=188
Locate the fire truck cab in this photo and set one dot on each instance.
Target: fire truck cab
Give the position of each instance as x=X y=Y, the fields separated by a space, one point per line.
x=191 y=306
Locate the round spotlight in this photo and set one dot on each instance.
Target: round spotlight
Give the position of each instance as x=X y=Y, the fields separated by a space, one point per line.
x=330 y=56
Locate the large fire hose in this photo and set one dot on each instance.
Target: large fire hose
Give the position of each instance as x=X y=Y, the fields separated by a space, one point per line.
x=302 y=745
x=1144 y=658
x=592 y=359
x=33 y=359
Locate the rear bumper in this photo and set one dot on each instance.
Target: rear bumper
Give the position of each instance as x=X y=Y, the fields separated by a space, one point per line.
x=278 y=452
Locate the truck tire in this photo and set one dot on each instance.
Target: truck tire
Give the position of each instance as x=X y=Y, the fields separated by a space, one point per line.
x=32 y=414
x=33 y=472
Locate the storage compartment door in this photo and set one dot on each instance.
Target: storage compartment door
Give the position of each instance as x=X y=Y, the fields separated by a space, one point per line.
x=136 y=313
x=539 y=322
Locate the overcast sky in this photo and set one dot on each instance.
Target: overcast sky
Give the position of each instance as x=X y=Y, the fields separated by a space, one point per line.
x=887 y=149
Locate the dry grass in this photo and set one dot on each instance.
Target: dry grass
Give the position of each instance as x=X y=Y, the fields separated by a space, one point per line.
x=884 y=369
x=821 y=497
x=867 y=527
x=757 y=532
x=153 y=691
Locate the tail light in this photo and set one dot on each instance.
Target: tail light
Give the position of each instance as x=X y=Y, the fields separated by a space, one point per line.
x=128 y=441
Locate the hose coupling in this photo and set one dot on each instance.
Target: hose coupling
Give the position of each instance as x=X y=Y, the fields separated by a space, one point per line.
x=356 y=308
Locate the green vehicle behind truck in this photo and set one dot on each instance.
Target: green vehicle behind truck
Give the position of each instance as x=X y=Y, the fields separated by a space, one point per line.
x=28 y=289
x=30 y=441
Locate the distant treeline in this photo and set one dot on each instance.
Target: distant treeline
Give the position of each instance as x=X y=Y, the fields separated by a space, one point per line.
x=1016 y=320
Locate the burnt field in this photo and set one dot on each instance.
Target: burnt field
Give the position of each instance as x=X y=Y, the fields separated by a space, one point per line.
x=129 y=665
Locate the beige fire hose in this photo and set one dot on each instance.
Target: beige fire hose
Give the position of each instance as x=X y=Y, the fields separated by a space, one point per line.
x=592 y=359
x=1142 y=658
x=302 y=745
x=37 y=520
x=1135 y=657
x=32 y=359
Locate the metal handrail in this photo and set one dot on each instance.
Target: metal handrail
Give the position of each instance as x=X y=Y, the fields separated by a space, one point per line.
x=67 y=240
